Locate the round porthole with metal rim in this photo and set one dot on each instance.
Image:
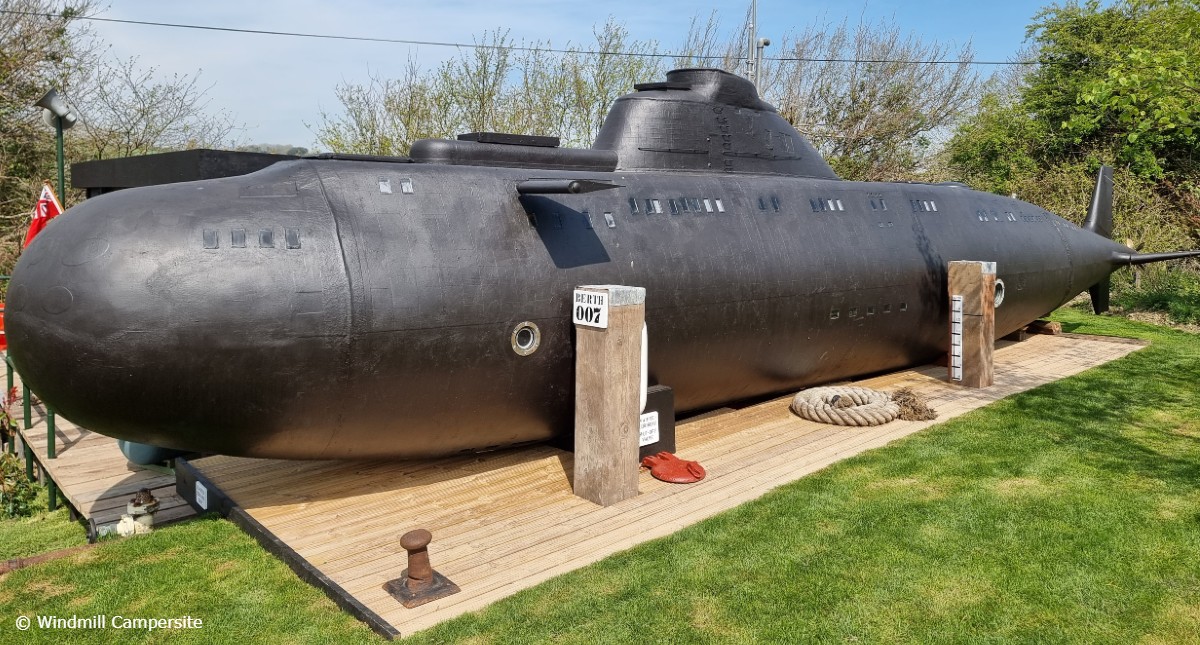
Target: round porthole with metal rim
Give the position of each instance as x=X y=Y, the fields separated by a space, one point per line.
x=999 y=300
x=526 y=338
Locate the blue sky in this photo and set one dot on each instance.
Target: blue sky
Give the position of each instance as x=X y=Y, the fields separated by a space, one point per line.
x=276 y=84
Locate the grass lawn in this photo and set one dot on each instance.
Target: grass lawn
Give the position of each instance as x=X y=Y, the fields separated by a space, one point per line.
x=1069 y=513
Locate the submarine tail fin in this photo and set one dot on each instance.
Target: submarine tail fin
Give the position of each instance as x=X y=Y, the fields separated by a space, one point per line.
x=1100 y=213
x=1100 y=221
x=1099 y=293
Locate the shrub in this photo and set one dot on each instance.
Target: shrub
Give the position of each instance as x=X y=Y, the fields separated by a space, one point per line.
x=17 y=493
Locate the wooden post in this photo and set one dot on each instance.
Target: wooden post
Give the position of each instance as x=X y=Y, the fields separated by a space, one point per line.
x=608 y=344
x=972 y=322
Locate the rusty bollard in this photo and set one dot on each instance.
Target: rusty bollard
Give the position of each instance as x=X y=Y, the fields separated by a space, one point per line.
x=419 y=583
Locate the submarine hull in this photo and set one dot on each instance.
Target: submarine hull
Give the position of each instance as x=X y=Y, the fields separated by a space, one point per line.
x=312 y=314
x=365 y=307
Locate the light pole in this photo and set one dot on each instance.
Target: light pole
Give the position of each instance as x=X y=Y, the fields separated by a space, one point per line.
x=57 y=115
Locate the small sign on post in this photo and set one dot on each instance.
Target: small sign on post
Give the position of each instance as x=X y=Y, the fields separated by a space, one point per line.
x=590 y=308
x=608 y=346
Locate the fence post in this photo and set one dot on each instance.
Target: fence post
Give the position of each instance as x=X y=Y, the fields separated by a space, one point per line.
x=12 y=442
x=51 y=448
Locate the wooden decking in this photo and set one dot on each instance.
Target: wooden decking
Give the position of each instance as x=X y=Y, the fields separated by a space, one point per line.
x=92 y=473
x=506 y=521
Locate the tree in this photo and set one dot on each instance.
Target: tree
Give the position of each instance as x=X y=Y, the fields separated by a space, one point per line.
x=1111 y=85
x=876 y=120
x=870 y=98
x=498 y=86
x=127 y=110
x=1119 y=83
x=122 y=109
x=36 y=53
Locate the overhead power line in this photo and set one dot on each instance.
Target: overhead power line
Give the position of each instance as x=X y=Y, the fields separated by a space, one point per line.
x=525 y=48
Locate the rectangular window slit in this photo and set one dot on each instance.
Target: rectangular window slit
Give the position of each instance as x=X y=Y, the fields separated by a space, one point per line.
x=237 y=238
x=210 y=239
x=266 y=238
x=608 y=219
x=292 y=237
x=633 y=206
x=406 y=186
x=720 y=205
x=834 y=314
x=708 y=205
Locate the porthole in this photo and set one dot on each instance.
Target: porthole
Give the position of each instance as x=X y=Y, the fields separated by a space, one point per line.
x=526 y=338
x=999 y=299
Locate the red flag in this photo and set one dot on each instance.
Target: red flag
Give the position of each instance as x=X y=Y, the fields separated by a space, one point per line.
x=47 y=208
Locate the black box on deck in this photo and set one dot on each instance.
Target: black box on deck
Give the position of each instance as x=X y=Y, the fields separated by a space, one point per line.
x=660 y=408
x=660 y=411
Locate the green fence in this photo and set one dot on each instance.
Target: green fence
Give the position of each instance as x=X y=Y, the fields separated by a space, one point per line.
x=27 y=423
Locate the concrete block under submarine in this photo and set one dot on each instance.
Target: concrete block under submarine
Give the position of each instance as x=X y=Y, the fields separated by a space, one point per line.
x=367 y=307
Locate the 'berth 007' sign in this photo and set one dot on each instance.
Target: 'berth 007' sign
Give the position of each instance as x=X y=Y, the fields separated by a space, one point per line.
x=590 y=308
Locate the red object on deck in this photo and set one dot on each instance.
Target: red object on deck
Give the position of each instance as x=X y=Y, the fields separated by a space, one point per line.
x=668 y=468
x=3 y=337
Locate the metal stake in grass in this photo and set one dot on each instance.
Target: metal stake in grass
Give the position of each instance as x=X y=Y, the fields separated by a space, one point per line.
x=419 y=583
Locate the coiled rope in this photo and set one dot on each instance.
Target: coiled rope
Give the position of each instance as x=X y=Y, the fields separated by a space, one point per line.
x=845 y=406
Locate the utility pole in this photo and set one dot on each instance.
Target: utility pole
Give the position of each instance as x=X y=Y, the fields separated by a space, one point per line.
x=754 y=47
x=752 y=43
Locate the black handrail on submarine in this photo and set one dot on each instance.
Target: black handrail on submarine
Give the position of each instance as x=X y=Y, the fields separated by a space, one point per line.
x=27 y=414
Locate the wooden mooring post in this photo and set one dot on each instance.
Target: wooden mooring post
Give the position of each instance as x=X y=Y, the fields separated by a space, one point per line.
x=972 y=322
x=608 y=354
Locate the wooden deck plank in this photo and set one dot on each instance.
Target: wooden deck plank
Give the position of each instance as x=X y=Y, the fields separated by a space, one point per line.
x=506 y=521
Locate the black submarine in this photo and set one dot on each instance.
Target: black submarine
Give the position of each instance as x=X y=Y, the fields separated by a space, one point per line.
x=370 y=307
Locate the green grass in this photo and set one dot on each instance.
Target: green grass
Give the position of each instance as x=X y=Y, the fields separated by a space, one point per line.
x=205 y=568
x=1069 y=513
x=41 y=532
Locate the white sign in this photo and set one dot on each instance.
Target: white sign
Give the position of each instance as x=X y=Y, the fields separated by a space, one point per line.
x=590 y=308
x=648 y=433
x=201 y=496
x=956 y=350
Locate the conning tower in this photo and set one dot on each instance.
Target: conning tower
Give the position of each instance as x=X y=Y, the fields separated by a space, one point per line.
x=706 y=120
